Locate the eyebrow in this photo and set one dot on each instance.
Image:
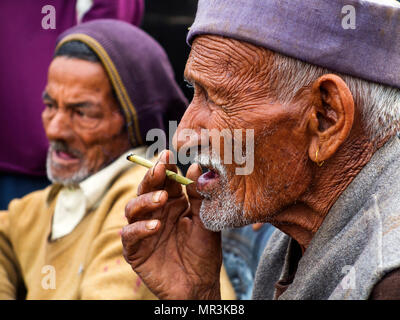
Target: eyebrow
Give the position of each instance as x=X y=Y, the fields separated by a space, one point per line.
x=192 y=79
x=187 y=77
x=81 y=104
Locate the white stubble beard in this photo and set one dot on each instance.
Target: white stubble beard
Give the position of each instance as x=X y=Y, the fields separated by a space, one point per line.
x=73 y=180
x=221 y=210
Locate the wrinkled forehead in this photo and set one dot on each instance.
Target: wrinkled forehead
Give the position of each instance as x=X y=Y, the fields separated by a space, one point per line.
x=225 y=57
x=79 y=74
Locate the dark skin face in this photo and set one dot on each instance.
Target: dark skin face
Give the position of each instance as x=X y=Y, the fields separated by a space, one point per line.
x=287 y=137
x=290 y=187
x=223 y=100
x=82 y=115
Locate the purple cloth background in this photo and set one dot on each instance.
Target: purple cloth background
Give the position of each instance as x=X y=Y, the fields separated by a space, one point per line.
x=26 y=52
x=311 y=30
x=131 y=11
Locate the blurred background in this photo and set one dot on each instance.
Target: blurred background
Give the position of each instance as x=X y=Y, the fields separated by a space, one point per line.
x=168 y=22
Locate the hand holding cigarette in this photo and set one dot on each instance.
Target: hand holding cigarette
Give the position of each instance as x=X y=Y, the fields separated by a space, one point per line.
x=165 y=241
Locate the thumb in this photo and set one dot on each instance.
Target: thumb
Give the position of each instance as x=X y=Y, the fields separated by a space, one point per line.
x=193 y=173
x=195 y=198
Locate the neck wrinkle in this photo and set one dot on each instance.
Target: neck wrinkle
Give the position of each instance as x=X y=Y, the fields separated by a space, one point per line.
x=302 y=220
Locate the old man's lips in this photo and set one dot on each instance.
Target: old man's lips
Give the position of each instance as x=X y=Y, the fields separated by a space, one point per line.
x=64 y=157
x=207 y=181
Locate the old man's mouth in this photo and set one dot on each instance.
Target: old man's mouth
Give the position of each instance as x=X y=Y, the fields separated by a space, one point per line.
x=64 y=157
x=208 y=180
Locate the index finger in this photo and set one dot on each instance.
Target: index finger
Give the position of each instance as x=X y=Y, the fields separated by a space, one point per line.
x=156 y=179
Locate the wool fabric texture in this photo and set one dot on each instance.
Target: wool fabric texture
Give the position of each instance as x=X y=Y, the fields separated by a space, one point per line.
x=315 y=31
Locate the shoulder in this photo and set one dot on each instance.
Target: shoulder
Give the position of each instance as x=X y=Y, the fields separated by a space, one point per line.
x=34 y=203
x=270 y=266
x=36 y=197
x=27 y=218
x=118 y=195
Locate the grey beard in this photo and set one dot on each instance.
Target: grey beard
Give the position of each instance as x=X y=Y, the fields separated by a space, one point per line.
x=220 y=210
x=73 y=180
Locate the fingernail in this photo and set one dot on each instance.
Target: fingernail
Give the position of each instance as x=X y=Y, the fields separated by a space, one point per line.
x=163 y=154
x=151 y=225
x=160 y=155
x=154 y=167
x=157 y=196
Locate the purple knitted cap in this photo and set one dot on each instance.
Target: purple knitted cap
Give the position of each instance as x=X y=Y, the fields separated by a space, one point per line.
x=139 y=71
x=316 y=31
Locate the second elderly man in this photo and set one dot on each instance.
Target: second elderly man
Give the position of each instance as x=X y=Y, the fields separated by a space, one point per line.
x=108 y=84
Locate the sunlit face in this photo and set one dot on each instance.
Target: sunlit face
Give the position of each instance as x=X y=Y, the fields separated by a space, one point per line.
x=82 y=120
x=231 y=93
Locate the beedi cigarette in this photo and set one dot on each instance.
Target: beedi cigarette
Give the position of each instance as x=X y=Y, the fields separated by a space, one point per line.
x=148 y=164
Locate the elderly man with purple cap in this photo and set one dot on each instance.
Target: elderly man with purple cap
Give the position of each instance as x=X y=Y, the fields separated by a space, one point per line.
x=318 y=84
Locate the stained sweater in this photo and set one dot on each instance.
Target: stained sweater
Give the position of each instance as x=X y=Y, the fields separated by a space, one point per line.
x=86 y=263
x=355 y=247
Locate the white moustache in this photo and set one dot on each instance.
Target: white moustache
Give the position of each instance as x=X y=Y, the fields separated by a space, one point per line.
x=212 y=161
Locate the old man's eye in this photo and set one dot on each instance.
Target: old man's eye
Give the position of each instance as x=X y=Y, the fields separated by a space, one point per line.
x=80 y=113
x=189 y=85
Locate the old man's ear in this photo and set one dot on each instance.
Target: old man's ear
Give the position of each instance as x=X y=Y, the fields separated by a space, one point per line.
x=332 y=116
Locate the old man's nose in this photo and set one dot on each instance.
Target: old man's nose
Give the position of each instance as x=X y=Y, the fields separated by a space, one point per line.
x=189 y=138
x=58 y=127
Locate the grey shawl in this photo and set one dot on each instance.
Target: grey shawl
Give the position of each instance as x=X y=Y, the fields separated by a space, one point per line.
x=356 y=245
